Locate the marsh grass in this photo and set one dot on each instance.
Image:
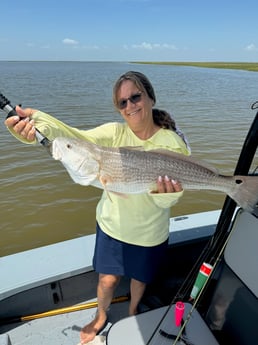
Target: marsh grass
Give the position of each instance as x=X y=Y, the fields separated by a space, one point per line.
x=247 y=66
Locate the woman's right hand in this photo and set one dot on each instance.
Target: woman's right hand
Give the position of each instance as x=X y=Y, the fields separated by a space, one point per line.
x=22 y=124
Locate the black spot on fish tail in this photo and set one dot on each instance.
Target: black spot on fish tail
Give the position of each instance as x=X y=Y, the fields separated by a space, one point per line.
x=245 y=192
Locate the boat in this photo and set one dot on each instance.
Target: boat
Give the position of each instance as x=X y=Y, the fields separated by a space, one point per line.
x=48 y=294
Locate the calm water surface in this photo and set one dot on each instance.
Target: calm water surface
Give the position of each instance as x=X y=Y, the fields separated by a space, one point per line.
x=39 y=202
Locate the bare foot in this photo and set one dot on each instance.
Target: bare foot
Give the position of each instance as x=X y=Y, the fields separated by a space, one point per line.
x=89 y=332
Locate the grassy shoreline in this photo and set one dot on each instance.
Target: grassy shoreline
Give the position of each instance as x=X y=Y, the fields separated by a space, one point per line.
x=247 y=66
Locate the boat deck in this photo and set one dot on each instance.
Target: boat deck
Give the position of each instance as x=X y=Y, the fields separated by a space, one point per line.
x=63 y=329
x=31 y=290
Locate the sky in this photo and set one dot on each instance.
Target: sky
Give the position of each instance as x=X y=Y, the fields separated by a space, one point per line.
x=129 y=30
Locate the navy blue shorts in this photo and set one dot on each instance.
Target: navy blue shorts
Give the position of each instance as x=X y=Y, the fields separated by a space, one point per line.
x=115 y=257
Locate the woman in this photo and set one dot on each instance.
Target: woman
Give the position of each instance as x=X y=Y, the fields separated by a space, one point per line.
x=132 y=231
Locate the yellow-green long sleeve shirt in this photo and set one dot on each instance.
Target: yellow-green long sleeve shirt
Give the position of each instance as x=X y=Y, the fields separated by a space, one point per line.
x=141 y=219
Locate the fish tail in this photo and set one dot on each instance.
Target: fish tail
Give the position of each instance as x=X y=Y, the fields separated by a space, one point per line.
x=245 y=192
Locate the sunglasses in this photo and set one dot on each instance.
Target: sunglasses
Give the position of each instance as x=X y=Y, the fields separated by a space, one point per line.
x=122 y=104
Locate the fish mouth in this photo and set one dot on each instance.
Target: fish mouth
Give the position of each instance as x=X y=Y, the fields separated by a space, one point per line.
x=55 y=152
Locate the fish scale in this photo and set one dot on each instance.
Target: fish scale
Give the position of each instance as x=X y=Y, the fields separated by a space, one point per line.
x=133 y=170
x=131 y=163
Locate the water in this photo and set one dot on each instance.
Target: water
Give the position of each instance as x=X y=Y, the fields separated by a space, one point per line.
x=39 y=202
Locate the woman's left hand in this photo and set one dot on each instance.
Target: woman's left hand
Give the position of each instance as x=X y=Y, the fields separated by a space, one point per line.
x=165 y=185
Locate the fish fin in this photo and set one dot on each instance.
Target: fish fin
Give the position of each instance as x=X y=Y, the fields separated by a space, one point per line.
x=103 y=180
x=245 y=192
x=108 y=194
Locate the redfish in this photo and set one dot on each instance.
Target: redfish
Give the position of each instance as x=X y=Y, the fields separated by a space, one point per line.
x=131 y=170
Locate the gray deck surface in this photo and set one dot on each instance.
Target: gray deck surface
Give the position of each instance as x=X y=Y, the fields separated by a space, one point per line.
x=62 y=329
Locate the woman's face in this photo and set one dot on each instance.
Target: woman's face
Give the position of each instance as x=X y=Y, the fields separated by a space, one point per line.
x=134 y=105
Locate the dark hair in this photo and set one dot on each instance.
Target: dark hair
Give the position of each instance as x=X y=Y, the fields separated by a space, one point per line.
x=163 y=119
x=160 y=117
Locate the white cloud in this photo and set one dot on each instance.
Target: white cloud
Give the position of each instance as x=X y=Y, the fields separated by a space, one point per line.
x=152 y=46
x=251 y=47
x=70 y=41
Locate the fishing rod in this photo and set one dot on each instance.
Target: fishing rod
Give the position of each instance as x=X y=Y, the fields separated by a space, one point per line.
x=6 y=106
x=216 y=246
x=200 y=294
x=222 y=230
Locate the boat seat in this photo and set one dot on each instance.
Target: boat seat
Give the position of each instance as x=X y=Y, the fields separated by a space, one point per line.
x=54 y=262
x=233 y=312
x=141 y=328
